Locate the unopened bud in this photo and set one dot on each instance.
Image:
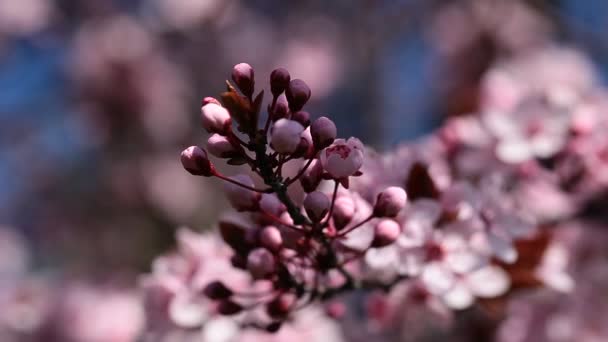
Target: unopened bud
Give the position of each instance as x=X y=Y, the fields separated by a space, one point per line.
x=323 y=132
x=242 y=75
x=228 y=308
x=312 y=176
x=344 y=211
x=220 y=146
x=281 y=306
x=260 y=263
x=385 y=233
x=302 y=117
x=279 y=81
x=304 y=149
x=195 y=160
x=271 y=238
x=215 y=118
x=270 y=204
x=210 y=99
x=242 y=199
x=316 y=205
x=298 y=93
x=281 y=109
x=390 y=202
x=285 y=136
x=217 y=290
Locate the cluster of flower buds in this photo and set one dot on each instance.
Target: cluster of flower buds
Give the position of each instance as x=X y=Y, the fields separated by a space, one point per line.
x=303 y=249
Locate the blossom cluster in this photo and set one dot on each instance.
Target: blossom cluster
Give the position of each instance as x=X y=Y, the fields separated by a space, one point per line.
x=457 y=218
x=301 y=248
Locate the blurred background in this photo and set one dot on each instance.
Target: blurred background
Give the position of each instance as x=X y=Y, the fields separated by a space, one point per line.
x=98 y=97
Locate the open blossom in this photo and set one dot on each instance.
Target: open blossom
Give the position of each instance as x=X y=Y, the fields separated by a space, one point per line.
x=342 y=158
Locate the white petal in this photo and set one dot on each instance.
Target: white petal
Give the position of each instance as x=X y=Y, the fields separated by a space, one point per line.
x=359 y=239
x=187 y=312
x=412 y=261
x=514 y=151
x=437 y=278
x=465 y=261
x=382 y=258
x=220 y=330
x=458 y=297
x=488 y=282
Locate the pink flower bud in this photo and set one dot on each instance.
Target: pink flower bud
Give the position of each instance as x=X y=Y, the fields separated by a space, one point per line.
x=242 y=75
x=210 y=99
x=242 y=199
x=304 y=149
x=281 y=305
x=385 y=233
x=302 y=117
x=279 y=81
x=220 y=146
x=312 y=176
x=270 y=204
x=271 y=238
x=316 y=205
x=195 y=160
x=390 y=202
x=344 y=211
x=215 y=118
x=342 y=158
x=228 y=308
x=260 y=263
x=280 y=109
x=216 y=290
x=297 y=94
x=285 y=136
x=323 y=132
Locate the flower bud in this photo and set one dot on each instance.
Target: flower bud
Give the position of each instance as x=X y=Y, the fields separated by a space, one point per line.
x=304 y=149
x=242 y=75
x=342 y=158
x=312 y=176
x=297 y=94
x=216 y=290
x=302 y=117
x=195 y=160
x=279 y=81
x=210 y=99
x=280 y=110
x=260 y=263
x=270 y=204
x=316 y=205
x=242 y=199
x=281 y=305
x=215 y=118
x=344 y=211
x=285 y=136
x=229 y=308
x=220 y=146
x=323 y=132
x=390 y=202
x=385 y=233
x=271 y=238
